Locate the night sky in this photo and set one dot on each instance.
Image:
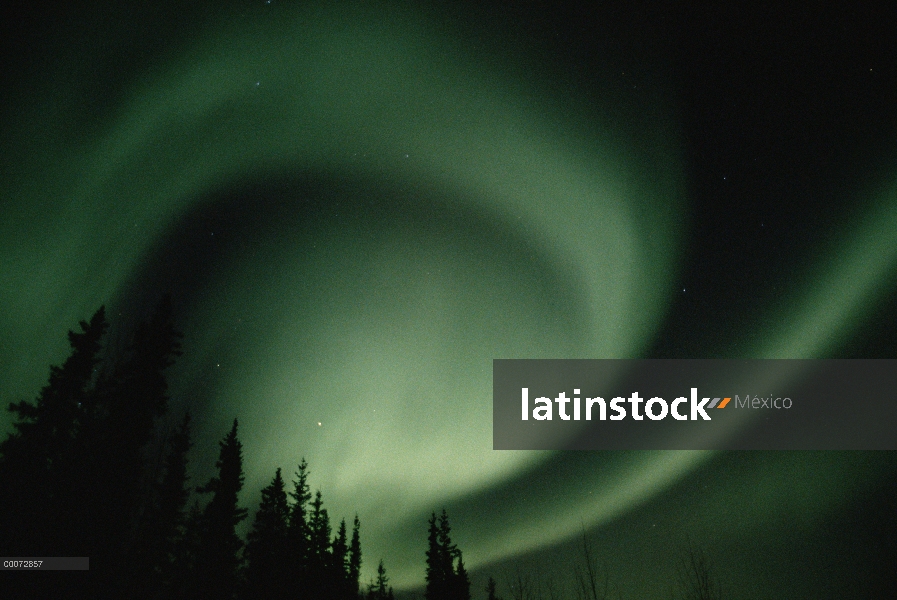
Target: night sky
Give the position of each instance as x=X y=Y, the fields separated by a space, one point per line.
x=357 y=206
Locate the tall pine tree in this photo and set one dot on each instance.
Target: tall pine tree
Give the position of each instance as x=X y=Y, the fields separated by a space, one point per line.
x=379 y=589
x=436 y=573
x=111 y=487
x=36 y=458
x=339 y=565
x=38 y=467
x=185 y=581
x=320 y=556
x=73 y=476
x=219 y=557
x=355 y=559
x=162 y=526
x=298 y=534
x=490 y=590
x=267 y=571
x=444 y=580
x=173 y=493
x=460 y=581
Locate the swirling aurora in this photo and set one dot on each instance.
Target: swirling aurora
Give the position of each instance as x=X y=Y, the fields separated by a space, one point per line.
x=357 y=210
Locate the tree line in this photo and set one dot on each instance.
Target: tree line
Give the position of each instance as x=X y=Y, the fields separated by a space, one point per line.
x=87 y=472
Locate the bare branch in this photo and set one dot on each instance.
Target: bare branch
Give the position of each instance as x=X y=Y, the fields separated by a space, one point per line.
x=591 y=583
x=696 y=578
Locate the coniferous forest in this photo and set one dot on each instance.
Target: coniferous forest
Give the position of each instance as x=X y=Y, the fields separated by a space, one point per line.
x=90 y=470
x=86 y=472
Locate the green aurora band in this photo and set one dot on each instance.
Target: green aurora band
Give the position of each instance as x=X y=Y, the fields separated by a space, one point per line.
x=389 y=349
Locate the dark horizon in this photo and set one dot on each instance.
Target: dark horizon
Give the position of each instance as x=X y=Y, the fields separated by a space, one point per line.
x=670 y=536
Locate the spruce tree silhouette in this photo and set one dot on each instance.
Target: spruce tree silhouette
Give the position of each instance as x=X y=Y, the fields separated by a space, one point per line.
x=298 y=534
x=444 y=580
x=164 y=522
x=266 y=546
x=354 y=560
x=319 y=563
x=219 y=559
x=379 y=589
x=435 y=573
x=490 y=590
x=38 y=466
x=461 y=581
x=173 y=493
x=112 y=476
x=339 y=564
x=185 y=581
x=36 y=457
x=73 y=476
x=76 y=480
x=290 y=552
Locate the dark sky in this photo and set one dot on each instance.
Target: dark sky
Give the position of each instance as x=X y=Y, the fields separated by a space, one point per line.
x=357 y=206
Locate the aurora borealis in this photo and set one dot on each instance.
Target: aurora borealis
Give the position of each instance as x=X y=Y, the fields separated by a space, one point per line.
x=357 y=206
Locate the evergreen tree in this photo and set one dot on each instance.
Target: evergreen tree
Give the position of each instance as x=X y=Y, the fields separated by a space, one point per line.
x=298 y=533
x=446 y=555
x=444 y=580
x=435 y=574
x=490 y=590
x=219 y=557
x=320 y=556
x=164 y=523
x=319 y=526
x=185 y=582
x=36 y=459
x=266 y=547
x=112 y=484
x=74 y=476
x=340 y=564
x=173 y=490
x=355 y=560
x=140 y=389
x=38 y=509
x=460 y=581
x=379 y=589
